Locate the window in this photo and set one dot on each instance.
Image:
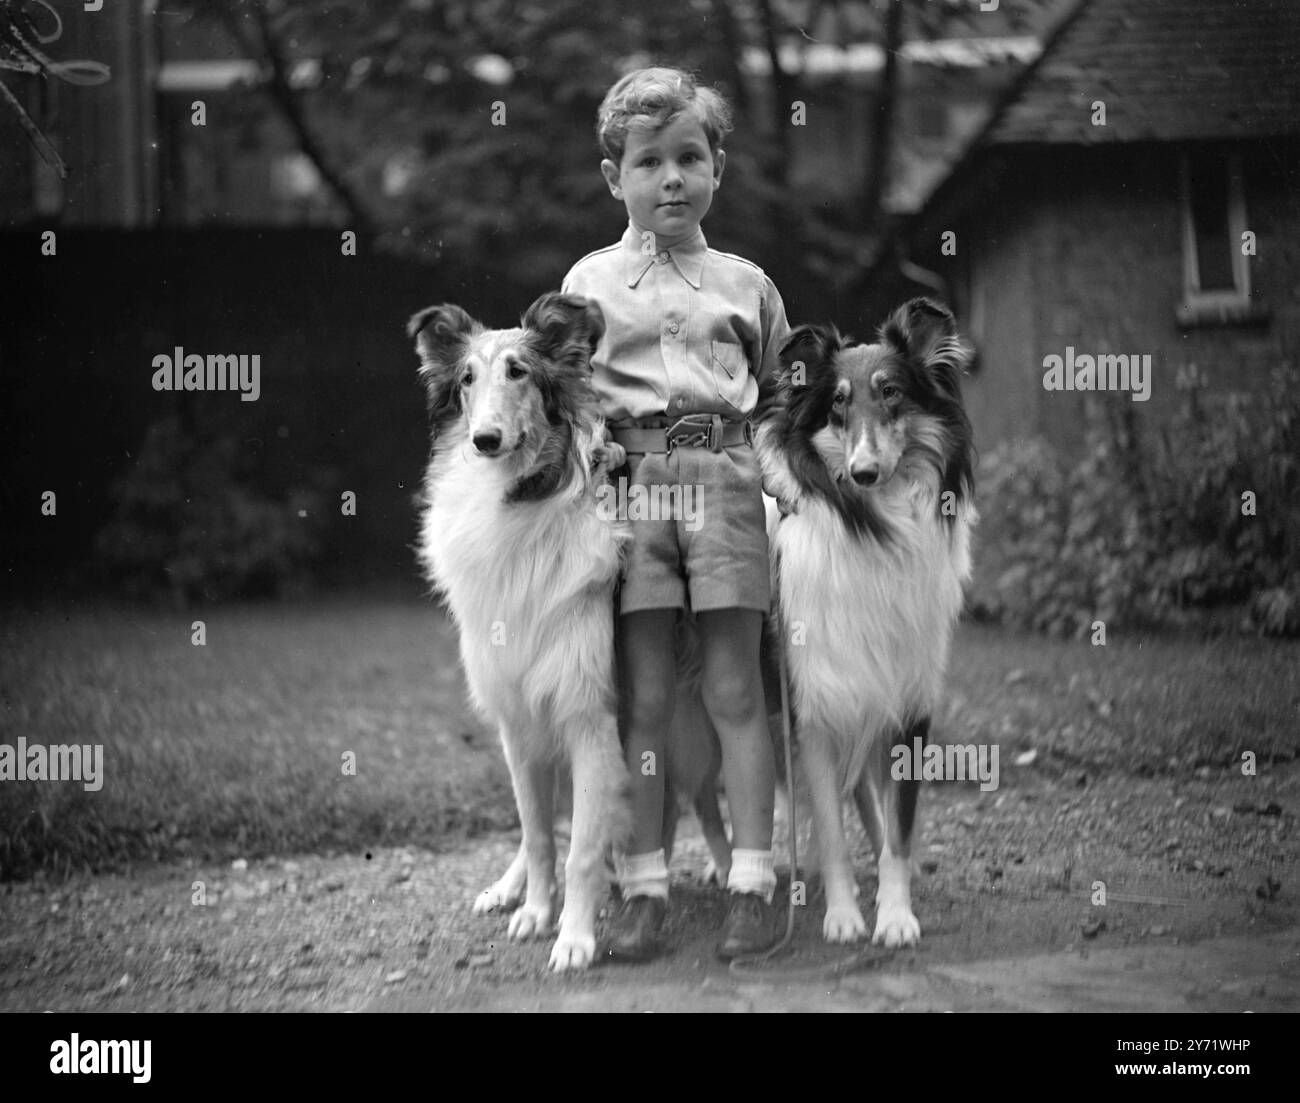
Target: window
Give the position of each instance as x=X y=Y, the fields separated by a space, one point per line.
x=1216 y=268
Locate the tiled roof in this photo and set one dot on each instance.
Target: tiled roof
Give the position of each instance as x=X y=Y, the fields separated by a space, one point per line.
x=1166 y=70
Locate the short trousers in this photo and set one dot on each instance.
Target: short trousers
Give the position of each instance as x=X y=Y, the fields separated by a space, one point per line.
x=699 y=531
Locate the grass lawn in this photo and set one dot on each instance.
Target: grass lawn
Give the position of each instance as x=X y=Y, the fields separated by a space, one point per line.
x=236 y=748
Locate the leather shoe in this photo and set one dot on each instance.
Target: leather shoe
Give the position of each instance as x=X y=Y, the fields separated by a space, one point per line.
x=632 y=934
x=748 y=928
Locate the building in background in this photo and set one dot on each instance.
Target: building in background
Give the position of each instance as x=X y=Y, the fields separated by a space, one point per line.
x=1171 y=228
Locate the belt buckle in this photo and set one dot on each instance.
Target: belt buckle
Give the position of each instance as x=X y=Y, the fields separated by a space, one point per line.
x=676 y=438
x=708 y=435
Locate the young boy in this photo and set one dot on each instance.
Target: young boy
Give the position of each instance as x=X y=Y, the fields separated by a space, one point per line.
x=691 y=336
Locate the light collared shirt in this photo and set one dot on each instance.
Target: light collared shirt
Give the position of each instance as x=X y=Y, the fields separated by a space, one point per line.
x=688 y=330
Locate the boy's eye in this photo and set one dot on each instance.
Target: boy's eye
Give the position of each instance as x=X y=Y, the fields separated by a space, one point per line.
x=649 y=162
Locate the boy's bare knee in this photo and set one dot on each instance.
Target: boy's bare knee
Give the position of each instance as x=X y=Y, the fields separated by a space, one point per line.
x=733 y=698
x=649 y=710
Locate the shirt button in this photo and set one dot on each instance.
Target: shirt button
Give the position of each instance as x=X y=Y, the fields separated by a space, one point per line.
x=663 y=256
x=674 y=328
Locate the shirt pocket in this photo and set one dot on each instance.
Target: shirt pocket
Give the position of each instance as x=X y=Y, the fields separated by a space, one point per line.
x=730 y=372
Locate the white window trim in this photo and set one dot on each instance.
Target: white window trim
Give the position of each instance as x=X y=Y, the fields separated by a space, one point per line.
x=1220 y=306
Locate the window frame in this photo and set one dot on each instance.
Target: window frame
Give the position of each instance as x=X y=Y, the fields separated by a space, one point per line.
x=1220 y=306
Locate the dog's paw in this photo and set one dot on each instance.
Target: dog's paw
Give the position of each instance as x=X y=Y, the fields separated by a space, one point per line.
x=573 y=952
x=530 y=921
x=503 y=896
x=896 y=926
x=844 y=924
x=609 y=456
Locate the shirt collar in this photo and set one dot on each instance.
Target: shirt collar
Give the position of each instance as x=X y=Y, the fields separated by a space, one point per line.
x=687 y=257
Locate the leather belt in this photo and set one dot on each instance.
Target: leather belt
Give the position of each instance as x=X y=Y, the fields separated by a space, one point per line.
x=711 y=431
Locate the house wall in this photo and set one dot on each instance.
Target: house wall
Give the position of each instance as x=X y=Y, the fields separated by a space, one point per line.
x=1084 y=249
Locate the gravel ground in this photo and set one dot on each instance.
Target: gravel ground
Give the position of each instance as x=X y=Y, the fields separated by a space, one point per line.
x=1201 y=915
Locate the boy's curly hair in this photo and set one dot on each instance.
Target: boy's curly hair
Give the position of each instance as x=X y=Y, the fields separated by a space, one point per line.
x=647 y=99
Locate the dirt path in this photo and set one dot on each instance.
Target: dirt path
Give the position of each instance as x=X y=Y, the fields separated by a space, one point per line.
x=1201 y=915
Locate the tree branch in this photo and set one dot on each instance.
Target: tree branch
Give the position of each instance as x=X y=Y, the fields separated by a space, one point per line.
x=266 y=46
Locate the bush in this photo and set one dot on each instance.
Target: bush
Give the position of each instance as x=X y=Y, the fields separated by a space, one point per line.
x=191 y=522
x=1155 y=532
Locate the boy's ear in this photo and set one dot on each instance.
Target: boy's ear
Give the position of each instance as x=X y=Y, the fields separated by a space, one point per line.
x=612 y=175
x=805 y=351
x=719 y=163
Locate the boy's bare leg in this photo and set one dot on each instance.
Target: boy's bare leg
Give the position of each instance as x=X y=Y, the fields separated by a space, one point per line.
x=733 y=696
x=647 y=685
x=647 y=681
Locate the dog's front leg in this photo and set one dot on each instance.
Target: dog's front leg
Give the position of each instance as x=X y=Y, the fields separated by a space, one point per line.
x=534 y=785
x=509 y=890
x=888 y=810
x=600 y=817
x=844 y=921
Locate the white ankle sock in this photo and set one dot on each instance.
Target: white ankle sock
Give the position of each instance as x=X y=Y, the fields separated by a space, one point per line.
x=643 y=874
x=751 y=871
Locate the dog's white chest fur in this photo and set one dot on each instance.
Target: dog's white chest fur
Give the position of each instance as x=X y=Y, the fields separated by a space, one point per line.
x=529 y=585
x=868 y=627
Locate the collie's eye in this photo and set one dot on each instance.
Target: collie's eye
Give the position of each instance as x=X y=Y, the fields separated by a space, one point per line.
x=840 y=398
x=514 y=371
x=467 y=379
x=890 y=393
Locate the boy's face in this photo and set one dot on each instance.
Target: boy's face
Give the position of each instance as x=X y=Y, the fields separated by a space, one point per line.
x=667 y=179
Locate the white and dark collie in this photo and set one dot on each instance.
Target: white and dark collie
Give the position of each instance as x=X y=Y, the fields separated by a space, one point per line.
x=513 y=537
x=869 y=451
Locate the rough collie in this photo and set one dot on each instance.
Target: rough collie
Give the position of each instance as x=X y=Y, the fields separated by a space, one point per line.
x=868 y=450
x=513 y=536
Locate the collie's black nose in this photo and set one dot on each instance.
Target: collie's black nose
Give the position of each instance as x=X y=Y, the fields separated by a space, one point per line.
x=867 y=474
x=487 y=443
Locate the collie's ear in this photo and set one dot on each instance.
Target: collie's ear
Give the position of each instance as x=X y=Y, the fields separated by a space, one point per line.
x=805 y=350
x=440 y=333
x=916 y=327
x=567 y=328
